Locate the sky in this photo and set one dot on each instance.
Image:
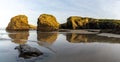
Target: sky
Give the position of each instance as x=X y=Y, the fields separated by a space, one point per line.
x=61 y=9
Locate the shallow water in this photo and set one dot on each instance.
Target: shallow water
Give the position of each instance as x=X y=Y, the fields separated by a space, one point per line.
x=60 y=47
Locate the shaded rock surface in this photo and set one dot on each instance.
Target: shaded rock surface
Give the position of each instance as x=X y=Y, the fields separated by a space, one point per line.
x=47 y=22
x=115 y=31
x=19 y=22
x=27 y=51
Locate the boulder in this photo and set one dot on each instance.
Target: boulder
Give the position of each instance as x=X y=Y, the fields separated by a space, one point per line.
x=19 y=22
x=27 y=51
x=47 y=22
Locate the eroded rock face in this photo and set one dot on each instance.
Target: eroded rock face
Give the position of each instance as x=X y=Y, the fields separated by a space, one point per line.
x=76 y=22
x=47 y=22
x=19 y=22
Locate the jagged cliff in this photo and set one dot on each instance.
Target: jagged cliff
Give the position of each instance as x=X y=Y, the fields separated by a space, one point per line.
x=77 y=22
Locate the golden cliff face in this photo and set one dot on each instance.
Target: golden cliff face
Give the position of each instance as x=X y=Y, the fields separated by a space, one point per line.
x=19 y=22
x=47 y=22
x=77 y=22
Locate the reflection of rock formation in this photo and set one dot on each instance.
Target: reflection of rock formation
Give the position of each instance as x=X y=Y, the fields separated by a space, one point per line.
x=77 y=38
x=46 y=37
x=27 y=51
x=19 y=37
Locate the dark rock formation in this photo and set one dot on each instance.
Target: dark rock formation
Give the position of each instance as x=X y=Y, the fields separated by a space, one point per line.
x=47 y=22
x=114 y=31
x=27 y=51
x=63 y=26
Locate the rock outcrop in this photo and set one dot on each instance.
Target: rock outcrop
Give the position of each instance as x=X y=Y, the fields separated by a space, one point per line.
x=19 y=22
x=47 y=22
x=77 y=22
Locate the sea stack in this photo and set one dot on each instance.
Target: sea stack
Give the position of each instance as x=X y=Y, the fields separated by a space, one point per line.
x=19 y=22
x=47 y=23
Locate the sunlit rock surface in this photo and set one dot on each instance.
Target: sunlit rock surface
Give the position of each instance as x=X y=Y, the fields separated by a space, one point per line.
x=19 y=22
x=76 y=22
x=47 y=22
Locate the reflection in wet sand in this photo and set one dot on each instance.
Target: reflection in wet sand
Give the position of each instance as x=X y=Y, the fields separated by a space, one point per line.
x=25 y=51
x=49 y=38
x=77 y=38
x=46 y=39
x=19 y=37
